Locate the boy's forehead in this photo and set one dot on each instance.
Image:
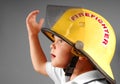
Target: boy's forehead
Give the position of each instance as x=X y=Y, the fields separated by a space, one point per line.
x=56 y=37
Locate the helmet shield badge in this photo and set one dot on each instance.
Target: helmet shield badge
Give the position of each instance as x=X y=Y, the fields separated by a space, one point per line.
x=81 y=26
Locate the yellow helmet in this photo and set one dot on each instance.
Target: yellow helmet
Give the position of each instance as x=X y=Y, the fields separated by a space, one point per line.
x=94 y=32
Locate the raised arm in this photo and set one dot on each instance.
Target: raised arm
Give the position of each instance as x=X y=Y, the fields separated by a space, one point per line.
x=37 y=55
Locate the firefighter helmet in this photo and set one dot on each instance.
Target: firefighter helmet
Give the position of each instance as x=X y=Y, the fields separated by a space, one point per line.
x=91 y=30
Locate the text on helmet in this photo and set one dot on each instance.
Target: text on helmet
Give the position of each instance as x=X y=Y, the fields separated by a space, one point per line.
x=104 y=27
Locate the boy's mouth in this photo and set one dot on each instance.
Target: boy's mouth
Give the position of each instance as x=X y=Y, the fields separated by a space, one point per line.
x=52 y=56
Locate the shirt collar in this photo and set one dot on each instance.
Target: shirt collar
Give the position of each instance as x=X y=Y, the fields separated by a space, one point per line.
x=87 y=77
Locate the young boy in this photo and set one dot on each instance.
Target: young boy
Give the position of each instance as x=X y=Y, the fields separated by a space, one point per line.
x=72 y=59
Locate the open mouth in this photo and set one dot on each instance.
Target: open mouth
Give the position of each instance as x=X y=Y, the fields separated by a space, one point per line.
x=52 y=56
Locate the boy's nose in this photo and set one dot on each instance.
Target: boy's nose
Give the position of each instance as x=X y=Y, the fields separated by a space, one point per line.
x=52 y=46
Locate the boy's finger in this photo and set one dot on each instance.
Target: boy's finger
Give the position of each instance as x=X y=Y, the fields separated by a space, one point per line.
x=32 y=15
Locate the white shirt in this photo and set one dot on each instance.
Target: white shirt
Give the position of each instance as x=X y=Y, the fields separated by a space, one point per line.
x=58 y=76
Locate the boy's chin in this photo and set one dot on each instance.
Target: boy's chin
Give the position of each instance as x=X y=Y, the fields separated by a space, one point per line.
x=58 y=65
x=55 y=65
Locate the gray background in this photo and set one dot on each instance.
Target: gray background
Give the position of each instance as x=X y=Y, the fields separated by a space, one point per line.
x=15 y=62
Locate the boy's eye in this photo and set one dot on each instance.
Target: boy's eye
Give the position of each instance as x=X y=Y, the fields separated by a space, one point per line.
x=60 y=41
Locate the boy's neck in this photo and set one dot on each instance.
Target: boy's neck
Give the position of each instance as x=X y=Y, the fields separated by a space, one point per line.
x=80 y=70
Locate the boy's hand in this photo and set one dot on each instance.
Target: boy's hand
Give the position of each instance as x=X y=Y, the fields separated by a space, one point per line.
x=33 y=26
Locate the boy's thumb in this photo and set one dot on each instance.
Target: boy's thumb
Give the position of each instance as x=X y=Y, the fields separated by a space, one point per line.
x=41 y=23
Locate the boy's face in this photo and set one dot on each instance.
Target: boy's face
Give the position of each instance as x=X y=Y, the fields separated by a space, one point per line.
x=60 y=53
